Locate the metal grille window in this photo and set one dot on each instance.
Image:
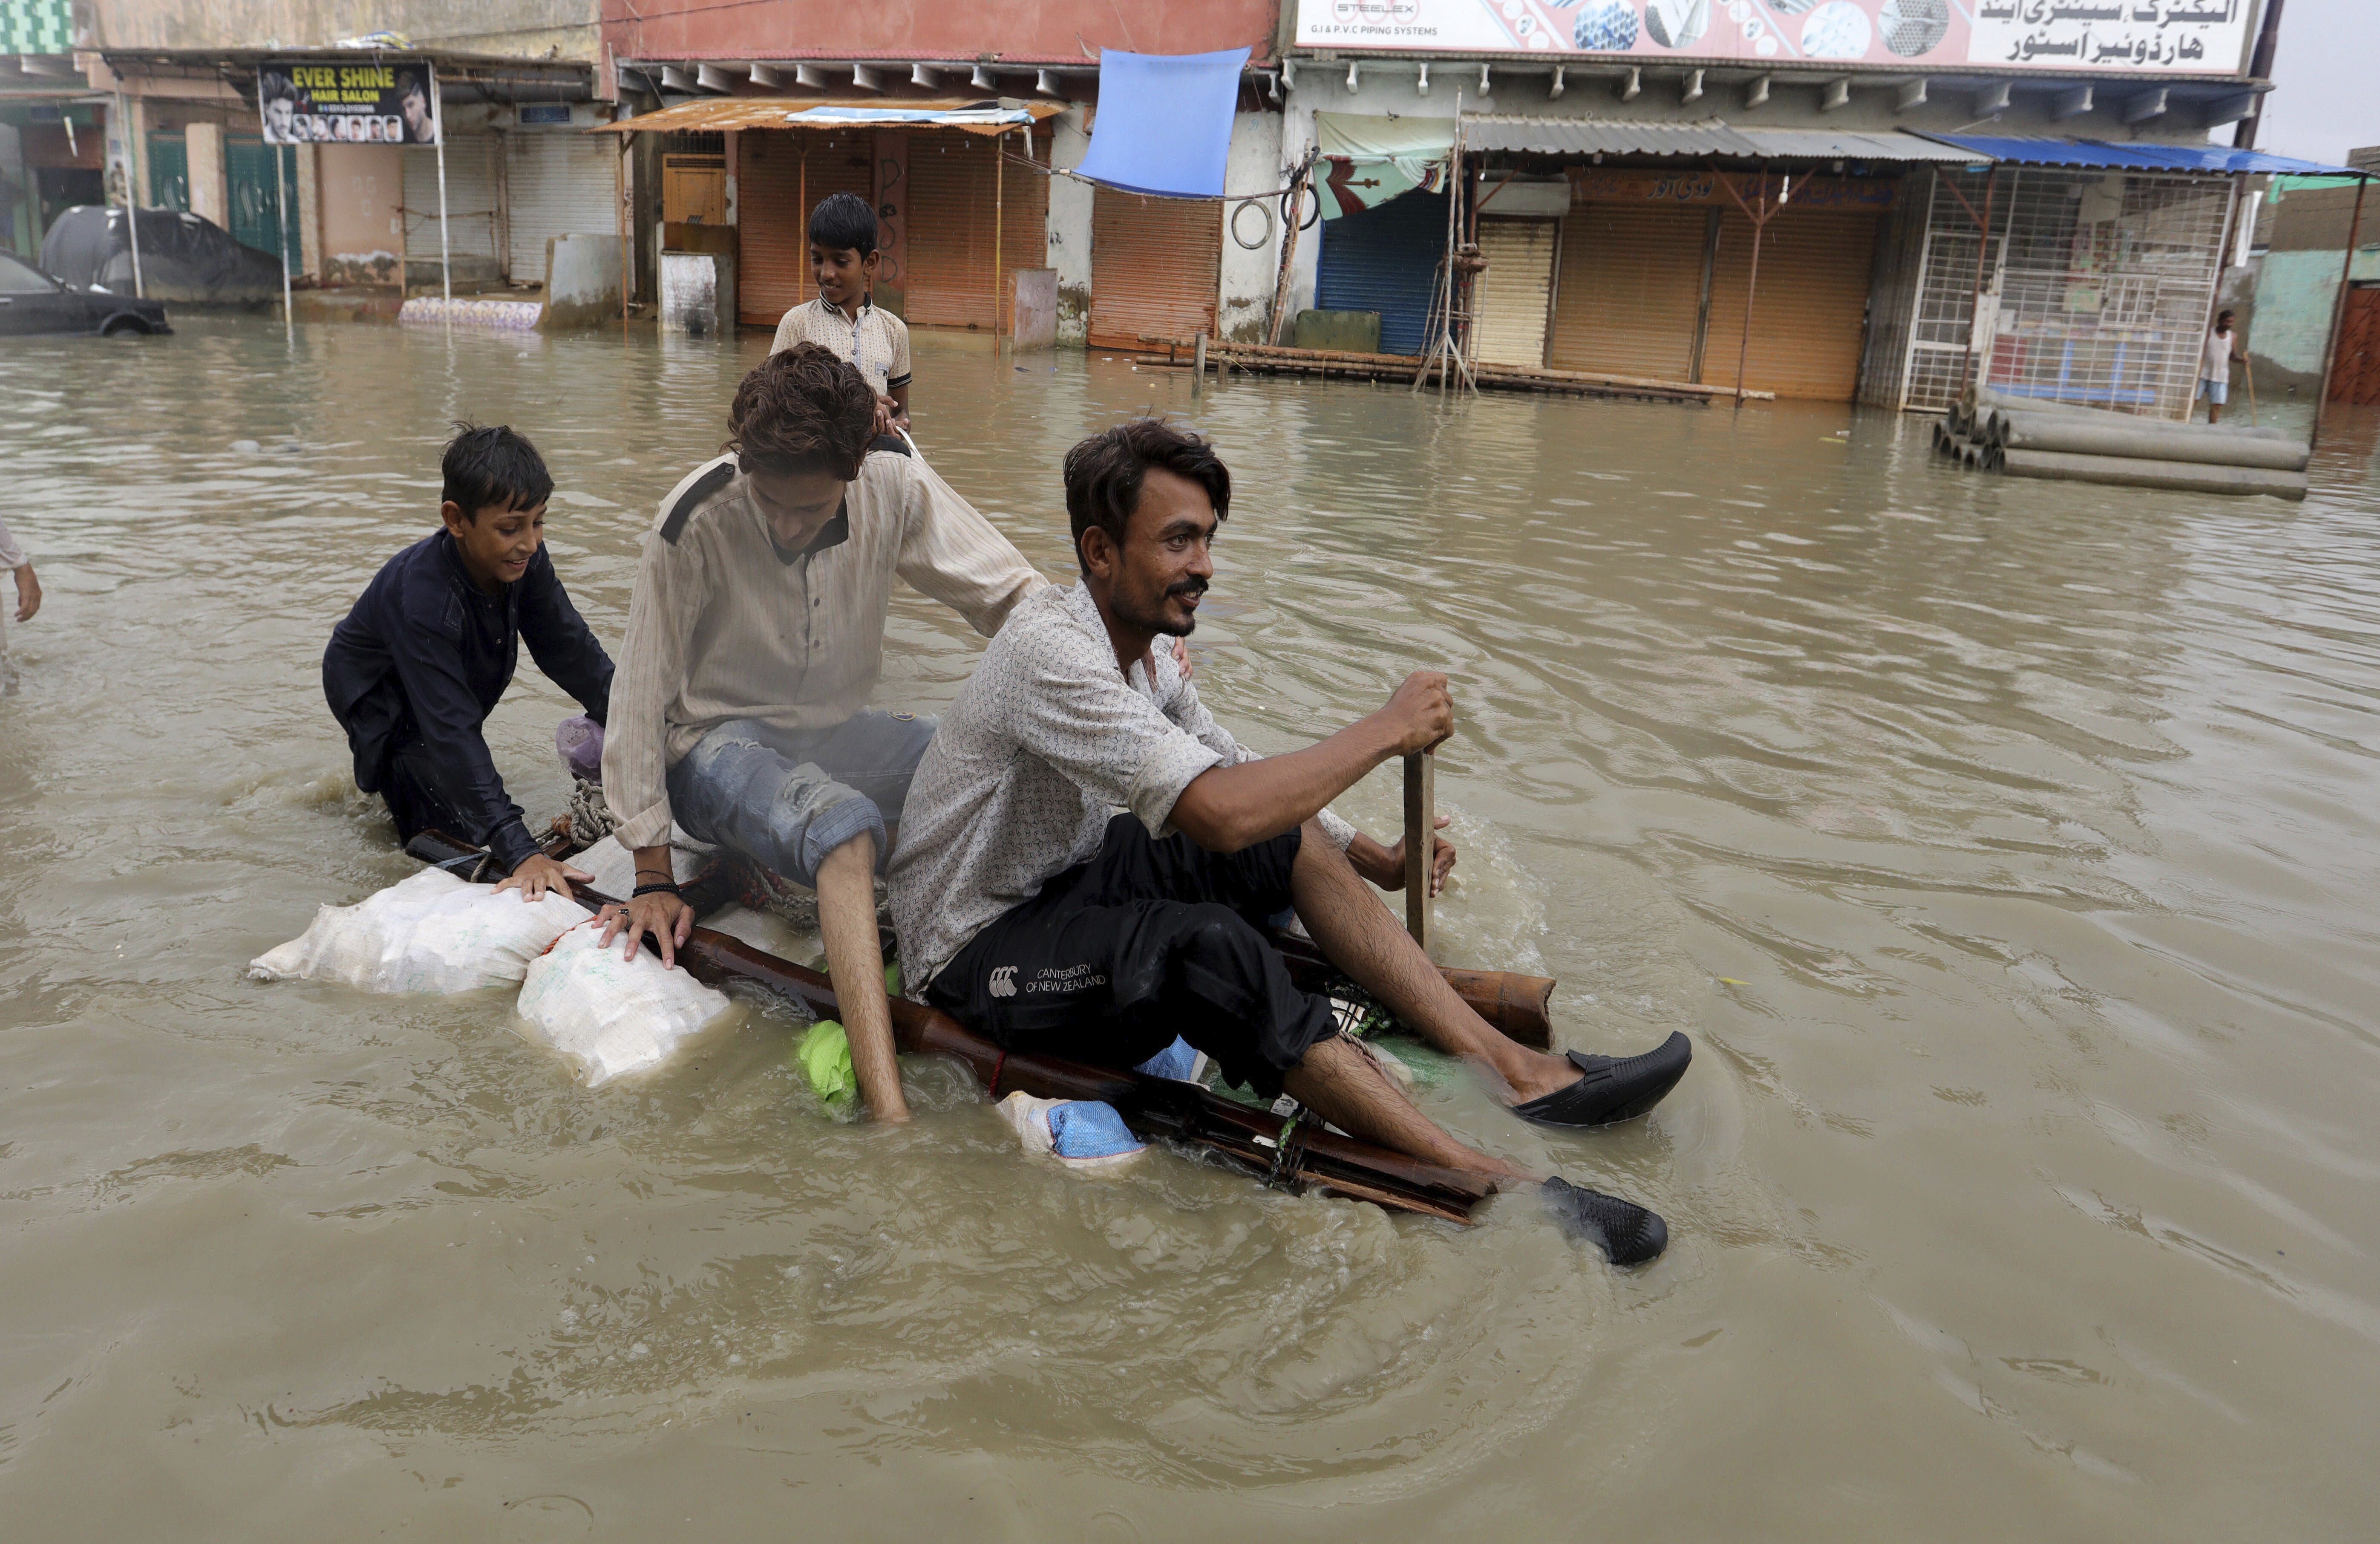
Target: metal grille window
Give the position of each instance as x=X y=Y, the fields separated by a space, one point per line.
x=2099 y=289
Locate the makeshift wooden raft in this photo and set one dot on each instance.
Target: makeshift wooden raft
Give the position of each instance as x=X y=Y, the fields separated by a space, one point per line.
x=1295 y=1154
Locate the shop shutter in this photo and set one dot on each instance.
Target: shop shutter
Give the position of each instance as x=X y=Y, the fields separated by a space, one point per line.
x=1155 y=265
x=1386 y=259
x=1808 y=313
x=471 y=198
x=558 y=183
x=1513 y=297
x=1629 y=290
x=951 y=194
x=774 y=170
x=169 y=172
x=2355 y=363
x=257 y=218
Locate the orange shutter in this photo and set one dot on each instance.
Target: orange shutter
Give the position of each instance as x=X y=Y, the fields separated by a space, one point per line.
x=1628 y=290
x=955 y=180
x=1156 y=264
x=772 y=265
x=1807 y=315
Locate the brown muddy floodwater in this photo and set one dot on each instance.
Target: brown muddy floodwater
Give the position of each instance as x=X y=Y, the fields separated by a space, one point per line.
x=2009 y=849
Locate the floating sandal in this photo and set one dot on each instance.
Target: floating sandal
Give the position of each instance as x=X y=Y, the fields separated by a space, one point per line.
x=1627 y=1233
x=1614 y=1087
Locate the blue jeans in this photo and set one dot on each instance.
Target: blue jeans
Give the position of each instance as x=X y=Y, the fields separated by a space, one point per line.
x=786 y=798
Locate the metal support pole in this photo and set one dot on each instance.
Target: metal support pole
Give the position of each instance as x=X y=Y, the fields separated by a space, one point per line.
x=281 y=238
x=1421 y=833
x=999 y=210
x=2338 y=311
x=1975 y=304
x=131 y=192
x=446 y=258
x=1752 y=285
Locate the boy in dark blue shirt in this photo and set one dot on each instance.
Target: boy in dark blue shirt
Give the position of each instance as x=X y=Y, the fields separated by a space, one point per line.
x=417 y=665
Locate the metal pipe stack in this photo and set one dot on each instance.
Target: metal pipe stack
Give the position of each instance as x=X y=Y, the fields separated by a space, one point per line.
x=2025 y=437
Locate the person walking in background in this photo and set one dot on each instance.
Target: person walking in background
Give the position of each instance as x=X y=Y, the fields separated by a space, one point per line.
x=29 y=601
x=2214 y=367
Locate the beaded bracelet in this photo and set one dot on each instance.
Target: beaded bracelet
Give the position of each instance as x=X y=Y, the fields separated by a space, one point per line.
x=654 y=889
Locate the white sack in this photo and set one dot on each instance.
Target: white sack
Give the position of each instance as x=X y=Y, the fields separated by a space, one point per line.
x=432 y=932
x=609 y=1016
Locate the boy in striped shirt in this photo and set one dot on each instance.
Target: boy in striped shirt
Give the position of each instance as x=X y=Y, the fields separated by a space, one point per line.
x=845 y=319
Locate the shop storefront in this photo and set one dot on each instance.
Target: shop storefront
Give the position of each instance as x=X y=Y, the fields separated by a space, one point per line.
x=1656 y=277
x=474 y=211
x=1385 y=258
x=1155 y=268
x=2098 y=284
x=557 y=181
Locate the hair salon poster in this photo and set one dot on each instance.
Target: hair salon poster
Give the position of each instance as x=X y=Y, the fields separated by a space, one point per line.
x=309 y=101
x=2204 y=37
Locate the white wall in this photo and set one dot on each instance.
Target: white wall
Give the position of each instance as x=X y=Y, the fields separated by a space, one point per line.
x=1244 y=295
x=1070 y=229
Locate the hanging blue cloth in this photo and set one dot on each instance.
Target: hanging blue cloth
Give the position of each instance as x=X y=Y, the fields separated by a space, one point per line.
x=1164 y=123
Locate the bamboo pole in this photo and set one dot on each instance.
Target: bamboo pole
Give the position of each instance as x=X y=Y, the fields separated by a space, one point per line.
x=998 y=210
x=446 y=256
x=2338 y=311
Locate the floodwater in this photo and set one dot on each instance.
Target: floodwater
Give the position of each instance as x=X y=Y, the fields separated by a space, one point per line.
x=2009 y=849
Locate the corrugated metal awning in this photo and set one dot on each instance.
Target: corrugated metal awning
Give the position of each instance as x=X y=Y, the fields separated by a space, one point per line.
x=1820 y=144
x=1537 y=136
x=1550 y=136
x=2135 y=156
x=714 y=115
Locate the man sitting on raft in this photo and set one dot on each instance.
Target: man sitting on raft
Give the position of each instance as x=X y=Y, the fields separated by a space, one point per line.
x=1091 y=859
x=756 y=634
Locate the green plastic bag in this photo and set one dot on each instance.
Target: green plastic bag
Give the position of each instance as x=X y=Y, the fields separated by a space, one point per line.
x=824 y=1056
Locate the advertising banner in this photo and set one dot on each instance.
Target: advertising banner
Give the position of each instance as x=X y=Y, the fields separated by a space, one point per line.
x=336 y=102
x=2201 y=37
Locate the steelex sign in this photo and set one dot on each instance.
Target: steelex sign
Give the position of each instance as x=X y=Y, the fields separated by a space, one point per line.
x=337 y=101
x=2201 y=37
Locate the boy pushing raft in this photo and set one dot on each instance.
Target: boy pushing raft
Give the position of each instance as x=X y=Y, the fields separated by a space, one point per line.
x=417 y=666
x=1090 y=860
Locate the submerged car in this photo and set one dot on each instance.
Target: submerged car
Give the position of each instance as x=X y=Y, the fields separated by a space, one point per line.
x=31 y=301
x=183 y=259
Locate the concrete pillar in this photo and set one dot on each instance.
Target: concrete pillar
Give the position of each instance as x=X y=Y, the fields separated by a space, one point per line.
x=16 y=187
x=210 y=188
x=1244 y=300
x=1070 y=227
x=309 y=212
x=1296 y=139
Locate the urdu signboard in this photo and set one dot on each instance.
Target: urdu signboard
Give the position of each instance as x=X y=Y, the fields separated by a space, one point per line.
x=2198 y=37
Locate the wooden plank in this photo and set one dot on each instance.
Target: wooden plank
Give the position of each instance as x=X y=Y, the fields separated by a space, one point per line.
x=1421 y=806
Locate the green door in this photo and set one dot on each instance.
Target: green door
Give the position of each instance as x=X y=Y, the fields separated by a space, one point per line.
x=257 y=219
x=169 y=172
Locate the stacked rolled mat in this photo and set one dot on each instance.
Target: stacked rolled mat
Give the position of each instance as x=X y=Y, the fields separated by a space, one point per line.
x=2024 y=437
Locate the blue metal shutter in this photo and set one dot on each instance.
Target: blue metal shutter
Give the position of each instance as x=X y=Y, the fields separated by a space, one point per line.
x=1386 y=259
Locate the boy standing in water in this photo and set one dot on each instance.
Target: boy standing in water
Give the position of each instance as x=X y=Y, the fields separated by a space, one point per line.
x=417 y=665
x=29 y=601
x=2214 y=369
x=844 y=320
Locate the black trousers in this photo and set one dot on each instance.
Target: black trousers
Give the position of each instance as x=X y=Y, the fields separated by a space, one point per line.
x=405 y=786
x=1148 y=940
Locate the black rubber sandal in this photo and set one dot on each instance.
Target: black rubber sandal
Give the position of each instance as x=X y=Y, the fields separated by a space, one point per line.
x=1613 y=1089
x=1625 y=1232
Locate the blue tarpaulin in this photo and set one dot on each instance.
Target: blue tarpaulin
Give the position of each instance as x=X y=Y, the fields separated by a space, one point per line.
x=2136 y=156
x=1164 y=123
